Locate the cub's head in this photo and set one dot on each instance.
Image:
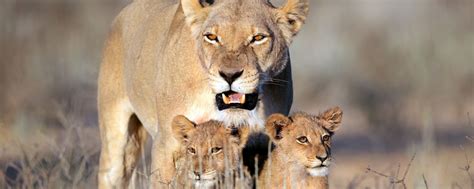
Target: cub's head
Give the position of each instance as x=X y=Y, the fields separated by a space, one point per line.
x=242 y=44
x=305 y=140
x=209 y=149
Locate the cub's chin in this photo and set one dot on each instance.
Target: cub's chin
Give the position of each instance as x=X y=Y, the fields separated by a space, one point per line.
x=319 y=171
x=204 y=184
x=204 y=181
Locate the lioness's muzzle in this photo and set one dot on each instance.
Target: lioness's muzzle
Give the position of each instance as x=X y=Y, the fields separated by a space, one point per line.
x=232 y=99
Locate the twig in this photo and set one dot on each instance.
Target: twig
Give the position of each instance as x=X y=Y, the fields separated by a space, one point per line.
x=396 y=175
x=395 y=179
x=469 y=124
x=408 y=166
x=142 y=174
x=378 y=173
x=467 y=167
x=157 y=171
x=426 y=183
x=398 y=170
x=470 y=138
x=455 y=184
x=469 y=119
x=356 y=181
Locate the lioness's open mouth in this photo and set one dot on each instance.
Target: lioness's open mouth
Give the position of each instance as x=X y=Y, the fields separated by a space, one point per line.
x=231 y=99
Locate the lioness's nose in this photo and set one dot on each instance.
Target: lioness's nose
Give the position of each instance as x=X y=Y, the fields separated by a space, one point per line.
x=231 y=76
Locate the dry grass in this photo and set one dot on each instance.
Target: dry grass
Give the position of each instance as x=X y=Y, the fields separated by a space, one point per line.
x=64 y=157
x=395 y=179
x=68 y=158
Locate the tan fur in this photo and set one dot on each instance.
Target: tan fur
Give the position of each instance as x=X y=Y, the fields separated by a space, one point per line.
x=209 y=150
x=292 y=163
x=157 y=64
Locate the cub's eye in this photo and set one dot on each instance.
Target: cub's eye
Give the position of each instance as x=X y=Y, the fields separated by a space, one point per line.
x=211 y=38
x=302 y=140
x=258 y=39
x=326 y=138
x=216 y=150
x=191 y=150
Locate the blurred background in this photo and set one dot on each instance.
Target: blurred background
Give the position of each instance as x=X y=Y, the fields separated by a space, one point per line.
x=402 y=70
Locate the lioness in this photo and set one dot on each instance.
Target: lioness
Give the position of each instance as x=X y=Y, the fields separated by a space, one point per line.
x=226 y=60
x=210 y=153
x=302 y=150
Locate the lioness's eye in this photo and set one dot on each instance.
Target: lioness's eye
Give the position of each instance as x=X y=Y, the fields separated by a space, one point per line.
x=211 y=38
x=216 y=150
x=326 y=138
x=258 y=39
x=302 y=140
x=191 y=150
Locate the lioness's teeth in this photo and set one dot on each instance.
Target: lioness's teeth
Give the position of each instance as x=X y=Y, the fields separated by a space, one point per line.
x=242 y=99
x=225 y=99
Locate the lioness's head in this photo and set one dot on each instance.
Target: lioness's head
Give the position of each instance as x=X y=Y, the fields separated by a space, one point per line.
x=242 y=44
x=304 y=139
x=210 y=149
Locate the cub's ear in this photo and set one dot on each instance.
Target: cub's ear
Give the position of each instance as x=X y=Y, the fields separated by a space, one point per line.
x=330 y=119
x=195 y=12
x=275 y=125
x=291 y=16
x=181 y=127
x=238 y=135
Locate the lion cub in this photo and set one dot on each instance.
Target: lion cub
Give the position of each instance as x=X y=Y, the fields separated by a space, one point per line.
x=210 y=153
x=301 y=150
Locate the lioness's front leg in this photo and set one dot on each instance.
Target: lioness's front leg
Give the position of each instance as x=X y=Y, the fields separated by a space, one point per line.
x=123 y=138
x=162 y=165
x=122 y=134
x=113 y=121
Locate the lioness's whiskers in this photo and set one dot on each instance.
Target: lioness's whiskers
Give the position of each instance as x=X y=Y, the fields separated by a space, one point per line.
x=274 y=83
x=278 y=80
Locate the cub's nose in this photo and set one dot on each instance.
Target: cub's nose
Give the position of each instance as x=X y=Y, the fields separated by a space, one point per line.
x=197 y=175
x=322 y=159
x=230 y=76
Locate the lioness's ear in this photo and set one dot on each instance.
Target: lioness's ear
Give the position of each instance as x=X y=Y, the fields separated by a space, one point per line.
x=291 y=17
x=275 y=124
x=238 y=135
x=195 y=12
x=330 y=119
x=181 y=127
